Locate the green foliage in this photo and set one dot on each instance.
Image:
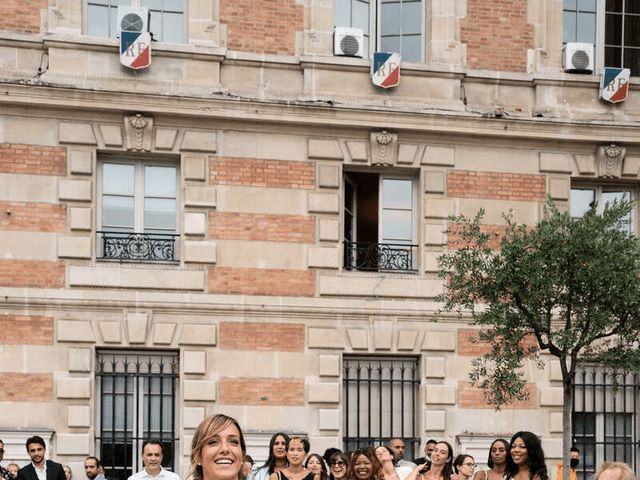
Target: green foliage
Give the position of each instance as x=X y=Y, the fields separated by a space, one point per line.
x=566 y=286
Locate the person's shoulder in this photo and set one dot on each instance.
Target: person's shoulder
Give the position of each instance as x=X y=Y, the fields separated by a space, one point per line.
x=170 y=475
x=52 y=464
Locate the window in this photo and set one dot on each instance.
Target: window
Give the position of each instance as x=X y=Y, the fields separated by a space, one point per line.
x=583 y=197
x=380 y=402
x=166 y=18
x=138 y=210
x=136 y=395
x=622 y=35
x=388 y=25
x=612 y=26
x=579 y=21
x=379 y=222
x=605 y=418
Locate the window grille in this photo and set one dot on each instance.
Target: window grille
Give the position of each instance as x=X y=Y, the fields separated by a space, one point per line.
x=605 y=418
x=137 y=393
x=380 y=402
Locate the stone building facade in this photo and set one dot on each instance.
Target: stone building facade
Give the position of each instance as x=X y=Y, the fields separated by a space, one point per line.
x=274 y=155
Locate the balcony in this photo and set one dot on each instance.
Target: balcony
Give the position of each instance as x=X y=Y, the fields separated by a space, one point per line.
x=380 y=257
x=137 y=247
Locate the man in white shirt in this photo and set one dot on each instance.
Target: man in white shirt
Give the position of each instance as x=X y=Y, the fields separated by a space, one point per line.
x=152 y=453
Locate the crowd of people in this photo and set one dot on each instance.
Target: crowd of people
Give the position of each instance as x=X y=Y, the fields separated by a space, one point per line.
x=219 y=452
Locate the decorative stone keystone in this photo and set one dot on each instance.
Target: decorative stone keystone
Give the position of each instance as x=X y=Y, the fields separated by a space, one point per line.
x=138 y=131
x=610 y=159
x=384 y=148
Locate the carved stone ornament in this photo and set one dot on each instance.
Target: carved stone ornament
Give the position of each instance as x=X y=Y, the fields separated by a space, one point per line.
x=384 y=148
x=610 y=159
x=138 y=130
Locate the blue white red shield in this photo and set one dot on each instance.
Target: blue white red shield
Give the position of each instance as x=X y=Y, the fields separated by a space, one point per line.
x=135 y=49
x=614 y=85
x=385 y=69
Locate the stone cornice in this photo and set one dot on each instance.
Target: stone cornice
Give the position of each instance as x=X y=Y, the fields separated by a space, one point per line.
x=319 y=115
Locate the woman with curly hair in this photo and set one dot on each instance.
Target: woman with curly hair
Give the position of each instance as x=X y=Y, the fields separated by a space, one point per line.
x=527 y=458
x=364 y=465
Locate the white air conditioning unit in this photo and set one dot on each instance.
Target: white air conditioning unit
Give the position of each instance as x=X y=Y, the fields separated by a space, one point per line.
x=577 y=57
x=133 y=19
x=348 y=42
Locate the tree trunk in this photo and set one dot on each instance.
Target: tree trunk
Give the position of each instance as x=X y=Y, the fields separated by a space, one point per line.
x=567 y=406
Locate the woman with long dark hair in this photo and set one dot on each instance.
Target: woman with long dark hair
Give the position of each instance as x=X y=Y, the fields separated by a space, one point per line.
x=497 y=461
x=314 y=463
x=441 y=466
x=338 y=466
x=526 y=461
x=388 y=470
x=277 y=459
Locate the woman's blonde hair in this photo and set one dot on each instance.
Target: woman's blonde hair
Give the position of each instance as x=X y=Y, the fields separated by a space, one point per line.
x=209 y=427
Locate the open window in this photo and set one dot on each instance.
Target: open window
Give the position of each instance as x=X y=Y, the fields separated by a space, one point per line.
x=379 y=223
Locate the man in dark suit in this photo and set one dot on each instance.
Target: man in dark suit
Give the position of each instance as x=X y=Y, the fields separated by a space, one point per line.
x=39 y=468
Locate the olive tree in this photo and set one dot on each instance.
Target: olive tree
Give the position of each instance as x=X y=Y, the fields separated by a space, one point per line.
x=566 y=286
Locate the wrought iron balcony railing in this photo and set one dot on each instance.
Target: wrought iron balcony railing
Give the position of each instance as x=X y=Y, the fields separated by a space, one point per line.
x=137 y=247
x=380 y=257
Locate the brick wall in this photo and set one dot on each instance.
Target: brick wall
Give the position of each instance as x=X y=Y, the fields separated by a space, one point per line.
x=497 y=34
x=262 y=26
x=26 y=330
x=262 y=173
x=32 y=159
x=257 y=281
x=26 y=387
x=33 y=217
x=32 y=273
x=467 y=345
x=21 y=15
x=470 y=397
x=261 y=391
x=280 y=337
x=455 y=241
x=496 y=186
x=274 y=228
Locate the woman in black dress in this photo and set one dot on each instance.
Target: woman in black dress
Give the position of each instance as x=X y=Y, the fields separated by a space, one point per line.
x=296 y=453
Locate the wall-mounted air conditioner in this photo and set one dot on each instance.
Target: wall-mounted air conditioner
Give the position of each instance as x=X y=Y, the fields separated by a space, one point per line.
x=348 y=42
x=577 y=57
x=133 y=19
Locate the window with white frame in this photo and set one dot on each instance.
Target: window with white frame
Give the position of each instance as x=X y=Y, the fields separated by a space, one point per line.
x=379 y=222
x=583 y=197
x=138 y=210
x=166 y=18
x=612 y=26
x=388 y=25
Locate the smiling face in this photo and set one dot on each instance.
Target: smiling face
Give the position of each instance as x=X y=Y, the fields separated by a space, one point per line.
x=296 y=453
x=441 y=454
x=362 y=468
x=519 y=452
x=221 y=455
x=280 y=448
x=314 y=465
x=498 y=453
x=338 y=467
